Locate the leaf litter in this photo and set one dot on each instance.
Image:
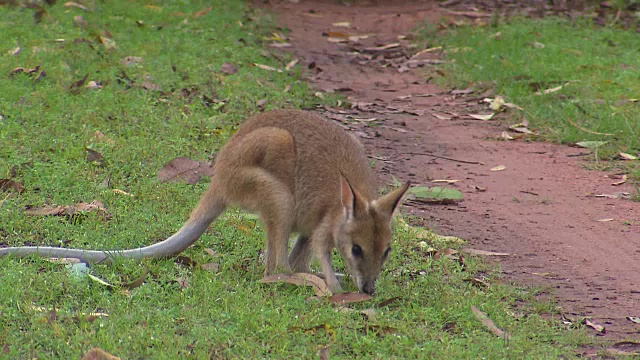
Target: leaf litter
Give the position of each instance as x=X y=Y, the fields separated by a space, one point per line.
x=319 y=286
x=185 y=170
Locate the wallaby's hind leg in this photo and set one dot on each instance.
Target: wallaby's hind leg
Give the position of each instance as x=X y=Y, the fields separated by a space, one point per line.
x=257 y=172
x=300 y=256
x=274 y=206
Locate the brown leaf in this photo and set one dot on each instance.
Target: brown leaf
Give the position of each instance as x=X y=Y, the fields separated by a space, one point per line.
x=184 y=169
x=16 y=51
x=210 y=252
x=93 y=155
x=261 y=103
x=213 y=267
x=148 y=85
x=266 y=67
x=78 y=83
x=186 y=261
x=349 y=297
x=52 y=316
x=183 y=283
x=599 y=328
x=79 y=21
x=318 y=285
x=25 y=71
x=76 y=5
x=203 y=12
x=488 y=323
x=99 y=354
x=69 y=210
x=228 y=68
x=323 y=354
x=10 y=185
x=137 y=282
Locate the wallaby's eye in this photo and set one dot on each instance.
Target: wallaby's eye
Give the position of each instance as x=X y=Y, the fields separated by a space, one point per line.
x=386 y=252
x=356 y=250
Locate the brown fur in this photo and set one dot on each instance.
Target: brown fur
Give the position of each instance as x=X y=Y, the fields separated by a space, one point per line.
x=301 y=174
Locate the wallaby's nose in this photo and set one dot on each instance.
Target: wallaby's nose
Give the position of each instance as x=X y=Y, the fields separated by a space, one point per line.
x=369 y=287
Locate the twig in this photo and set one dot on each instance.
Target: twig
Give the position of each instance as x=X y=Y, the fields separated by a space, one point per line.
x=5 y=199
x=587 y=130
x=488 y=323
x=449 y=158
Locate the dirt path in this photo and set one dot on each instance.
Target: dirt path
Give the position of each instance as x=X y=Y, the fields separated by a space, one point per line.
x=540 y=209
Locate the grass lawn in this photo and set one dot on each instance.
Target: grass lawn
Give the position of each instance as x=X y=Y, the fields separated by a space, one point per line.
x=154 y=90
x=590 y=74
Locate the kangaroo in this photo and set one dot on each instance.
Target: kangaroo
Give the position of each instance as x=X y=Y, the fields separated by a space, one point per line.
x=301 y=173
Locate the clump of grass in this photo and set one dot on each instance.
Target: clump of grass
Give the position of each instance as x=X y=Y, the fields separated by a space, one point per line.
x=177 y=102
x=597 y=68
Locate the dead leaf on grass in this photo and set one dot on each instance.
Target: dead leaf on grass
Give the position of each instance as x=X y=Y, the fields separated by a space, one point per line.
x=94 y=156
x=488 y=323
x=210 y=252
x=498 y=168
x=496 y=104
x=553 y=89
x=76 y=5
x=138 y=281
x=370 y=314
x=184 y=169
x=599 y=328
x=27 y=71
x=319 y=286
x=323 y=353
x=8 y=185
x=183 y=282
x=625 y=156
x=203 y=12
x=291 y=64
x=69 y=210
x=228 y=68
x=213 y=267
x=78 y=83
x=109 y=44
x=349 y=297
x=93 y=85
x=185 y=261
x=266 y=67
x=14 y=52
x=99 y=354
x=79 y=21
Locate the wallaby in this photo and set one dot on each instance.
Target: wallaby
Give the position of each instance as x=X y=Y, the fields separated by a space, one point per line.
x=301 y=173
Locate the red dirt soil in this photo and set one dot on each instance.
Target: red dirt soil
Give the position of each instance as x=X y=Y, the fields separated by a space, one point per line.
x=541 y=208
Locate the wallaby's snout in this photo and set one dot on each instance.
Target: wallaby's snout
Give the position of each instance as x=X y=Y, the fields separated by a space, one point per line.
x=369 y=287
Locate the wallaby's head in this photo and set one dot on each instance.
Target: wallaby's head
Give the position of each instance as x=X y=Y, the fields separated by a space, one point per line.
x=364 y=241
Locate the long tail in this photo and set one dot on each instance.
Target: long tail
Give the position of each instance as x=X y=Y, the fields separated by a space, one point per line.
x=209 y=208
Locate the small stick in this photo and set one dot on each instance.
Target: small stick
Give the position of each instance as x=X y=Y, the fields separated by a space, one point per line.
x=449 y=158
x=488 y=323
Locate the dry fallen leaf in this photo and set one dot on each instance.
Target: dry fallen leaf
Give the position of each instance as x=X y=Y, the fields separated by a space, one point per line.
x=10 y=185
x=76 y=5
x=482 y=116
x=448 y=181
x=14 y=52
x=69 y=210
x=505 y=136
x=94 y=156
x=203 y=12
x=605 y=220
x=79 y=21
x=266 y=67
x=213 y=267
x=137 y=282
x=341 y=24
x=599 y=328
x=349 y=297
x=496 y=104
x=291 y=64
x=625 y=156
x=183 y=282
x=319 y=286
x=184 y=169
x=498 y=168
x=621 y=181
x=228 y=68
x=99 y=354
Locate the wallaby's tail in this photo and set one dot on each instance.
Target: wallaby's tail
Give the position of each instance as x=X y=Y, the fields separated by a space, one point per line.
x=209 y=208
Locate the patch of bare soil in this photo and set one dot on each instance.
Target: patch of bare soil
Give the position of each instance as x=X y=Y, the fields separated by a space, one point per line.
x=541 y=208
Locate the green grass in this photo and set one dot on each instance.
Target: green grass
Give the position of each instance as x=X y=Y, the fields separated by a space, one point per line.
x=525 y=56
x=218 y=314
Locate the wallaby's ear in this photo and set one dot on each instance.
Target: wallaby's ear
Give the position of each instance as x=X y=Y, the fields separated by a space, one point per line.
x=347 y=197
x=388 y=203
